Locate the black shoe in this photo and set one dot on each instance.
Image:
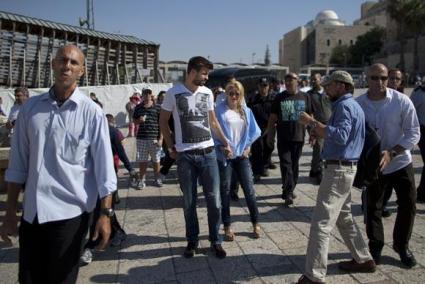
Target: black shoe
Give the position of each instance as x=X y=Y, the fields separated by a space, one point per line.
x=218 y=250
x=376 y=255
x=190 y=249
x=386 y=213
x=257 y=178
x=284 y=194
x=234 y=196
x=265 y=173
x=289 y=199
x=272 y=166
x=406 y=257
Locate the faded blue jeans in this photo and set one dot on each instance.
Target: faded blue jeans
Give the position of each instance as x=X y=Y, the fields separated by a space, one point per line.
x=190 y=167
x=242 y=168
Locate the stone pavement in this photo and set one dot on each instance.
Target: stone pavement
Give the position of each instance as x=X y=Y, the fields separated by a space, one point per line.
x=152 y=252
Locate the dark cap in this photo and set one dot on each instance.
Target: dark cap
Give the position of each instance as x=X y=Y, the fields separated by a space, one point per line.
x=263 y=81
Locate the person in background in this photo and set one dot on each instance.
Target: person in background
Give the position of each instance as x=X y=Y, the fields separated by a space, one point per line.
x=73 y=159
x=2 y=112
x=322 y=112
x=160 y=97
x=418 y=100
x=192 y=107
x=149 y=138
x=344 y=139
x=95 y=99
x=241 y=130
x=396 y=82
x=261 y=105
x=130 y=106
x=21 y=95
x=284 y=115
x=393 y=116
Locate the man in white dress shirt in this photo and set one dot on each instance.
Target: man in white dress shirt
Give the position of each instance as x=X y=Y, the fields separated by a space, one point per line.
x=61 y=159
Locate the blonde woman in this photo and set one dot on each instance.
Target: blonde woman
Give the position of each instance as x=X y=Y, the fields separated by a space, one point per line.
x=241 y=130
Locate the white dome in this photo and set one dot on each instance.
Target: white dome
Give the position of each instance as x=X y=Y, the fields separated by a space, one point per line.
x=328 y=17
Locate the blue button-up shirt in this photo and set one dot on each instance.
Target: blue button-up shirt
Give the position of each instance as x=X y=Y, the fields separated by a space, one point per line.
x=63 y=156
x=345 y=132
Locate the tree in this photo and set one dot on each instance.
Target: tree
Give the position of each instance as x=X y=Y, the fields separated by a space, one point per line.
x=415 y=24
x=398 y=11
x=340 y=55
x=366 y=46
x=267 y=60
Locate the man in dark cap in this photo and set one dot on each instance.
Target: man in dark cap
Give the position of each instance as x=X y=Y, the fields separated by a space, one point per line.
x=261 y=107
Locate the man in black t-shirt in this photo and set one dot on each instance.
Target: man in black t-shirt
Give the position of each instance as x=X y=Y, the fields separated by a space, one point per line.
x=285 y=112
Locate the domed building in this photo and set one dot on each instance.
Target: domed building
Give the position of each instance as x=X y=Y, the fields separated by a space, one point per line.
x=312 y=43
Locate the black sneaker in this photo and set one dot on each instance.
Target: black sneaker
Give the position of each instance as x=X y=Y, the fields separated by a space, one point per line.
x=289 y=199
x=406 y=257
x=218 y=250
x=376 y=255
x=190 y=249
x=386 y=213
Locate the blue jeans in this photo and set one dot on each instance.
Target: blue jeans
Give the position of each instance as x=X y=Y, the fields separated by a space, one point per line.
x=242 y=168
x=189 y=168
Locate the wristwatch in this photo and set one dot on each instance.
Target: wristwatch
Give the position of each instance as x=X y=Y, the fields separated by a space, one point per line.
x=109 y=212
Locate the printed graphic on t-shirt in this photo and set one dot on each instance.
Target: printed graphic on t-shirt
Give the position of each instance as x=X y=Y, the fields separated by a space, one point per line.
x=193 y=115
x=291 y=109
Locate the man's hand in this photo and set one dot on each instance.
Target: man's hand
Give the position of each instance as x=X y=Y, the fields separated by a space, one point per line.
x=385 y=159
x=227 y=152
x=103 y=228
x=305 y=118
x=9 y=228
x=246 y=152
x=172 y=152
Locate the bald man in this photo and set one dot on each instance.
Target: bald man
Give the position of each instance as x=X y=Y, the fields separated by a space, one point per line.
x=393 y=116
x=61 y=159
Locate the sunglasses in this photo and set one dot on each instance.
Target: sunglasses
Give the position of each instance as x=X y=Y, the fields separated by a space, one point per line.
x=376 y=78
x=233 y=94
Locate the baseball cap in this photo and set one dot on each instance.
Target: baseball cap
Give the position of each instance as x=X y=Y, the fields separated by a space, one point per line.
x=338 y=76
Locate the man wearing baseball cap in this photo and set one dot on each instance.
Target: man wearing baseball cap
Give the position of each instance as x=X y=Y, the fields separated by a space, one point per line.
x=343 y=142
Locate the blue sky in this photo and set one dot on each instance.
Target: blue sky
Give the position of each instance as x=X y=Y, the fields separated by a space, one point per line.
x=224 y=30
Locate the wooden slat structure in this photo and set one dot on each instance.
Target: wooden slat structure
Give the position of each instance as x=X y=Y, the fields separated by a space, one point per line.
x=27 y=46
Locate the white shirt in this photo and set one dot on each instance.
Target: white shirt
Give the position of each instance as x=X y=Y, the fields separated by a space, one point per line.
x=63 y=156
x=190 y=114
x=14 y=111
x=396 y=123
x=236 y=127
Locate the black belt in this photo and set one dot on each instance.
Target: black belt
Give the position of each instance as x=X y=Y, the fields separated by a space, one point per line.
x=200 y=151
x=341 y=163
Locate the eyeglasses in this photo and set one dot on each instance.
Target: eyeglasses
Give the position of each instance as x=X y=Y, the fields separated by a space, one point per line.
x=377 y=78
x=233 y=94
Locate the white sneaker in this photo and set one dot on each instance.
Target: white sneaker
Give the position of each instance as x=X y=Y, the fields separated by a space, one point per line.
x=140 y=184
x=158 y=182
x=86 y=257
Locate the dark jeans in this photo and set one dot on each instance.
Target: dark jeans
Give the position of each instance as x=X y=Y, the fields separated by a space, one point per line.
x=261 y=155
x=289 y=156
x=403 y=183
x=421 y=144
x=189 y=168
x=241 y=167
x=50 y=252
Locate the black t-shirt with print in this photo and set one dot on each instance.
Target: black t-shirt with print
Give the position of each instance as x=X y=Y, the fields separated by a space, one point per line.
x=287 y=108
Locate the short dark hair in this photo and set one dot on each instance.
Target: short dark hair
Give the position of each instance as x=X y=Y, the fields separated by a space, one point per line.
x=22 y=90
x=109 y=116
x=198 y=62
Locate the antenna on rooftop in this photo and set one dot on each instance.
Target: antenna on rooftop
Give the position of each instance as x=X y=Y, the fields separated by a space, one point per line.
x=89 y=21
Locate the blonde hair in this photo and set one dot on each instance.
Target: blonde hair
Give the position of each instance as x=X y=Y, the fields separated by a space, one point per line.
x=233 y=84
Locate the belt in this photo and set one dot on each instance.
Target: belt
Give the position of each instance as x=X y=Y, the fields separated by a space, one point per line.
x=341 y=163
x=200 y=151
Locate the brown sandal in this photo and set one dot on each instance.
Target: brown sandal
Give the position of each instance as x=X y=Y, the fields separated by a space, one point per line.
x=229 y=236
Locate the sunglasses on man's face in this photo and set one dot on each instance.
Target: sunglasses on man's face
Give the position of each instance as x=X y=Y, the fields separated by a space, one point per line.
x=377 y=78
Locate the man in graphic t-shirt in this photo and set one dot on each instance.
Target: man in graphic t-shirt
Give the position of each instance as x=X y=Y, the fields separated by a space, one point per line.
x=285 y=112
x=192 y=107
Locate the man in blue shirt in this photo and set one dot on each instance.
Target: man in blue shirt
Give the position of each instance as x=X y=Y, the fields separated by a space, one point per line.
x=344 y=138
x=61 y=159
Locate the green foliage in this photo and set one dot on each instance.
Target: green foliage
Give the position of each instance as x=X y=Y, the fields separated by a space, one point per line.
x=340 y=55
x=366 y=46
